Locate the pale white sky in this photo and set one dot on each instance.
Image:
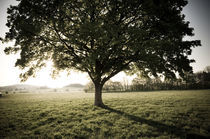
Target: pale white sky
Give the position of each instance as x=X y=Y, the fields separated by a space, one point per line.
x=196 y=12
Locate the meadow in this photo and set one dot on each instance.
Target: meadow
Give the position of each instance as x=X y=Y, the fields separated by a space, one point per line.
x=158 y=114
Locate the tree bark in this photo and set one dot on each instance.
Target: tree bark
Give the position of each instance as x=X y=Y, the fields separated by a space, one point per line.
x=98 y=95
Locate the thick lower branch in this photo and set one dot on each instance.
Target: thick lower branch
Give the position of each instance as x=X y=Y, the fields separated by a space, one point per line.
x=115 y=72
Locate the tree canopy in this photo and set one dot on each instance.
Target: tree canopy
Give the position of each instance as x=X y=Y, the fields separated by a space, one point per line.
x=101 y=37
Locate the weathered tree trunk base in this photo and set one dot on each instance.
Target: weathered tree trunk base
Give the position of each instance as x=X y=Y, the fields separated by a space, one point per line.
x=98 y=96
x=98 y=100
x=100 y=105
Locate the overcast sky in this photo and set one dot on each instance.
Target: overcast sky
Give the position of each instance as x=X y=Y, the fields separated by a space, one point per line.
x=197 y=12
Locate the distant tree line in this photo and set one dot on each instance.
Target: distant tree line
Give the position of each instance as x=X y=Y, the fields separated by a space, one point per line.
x=110 y=86
x=198 y=80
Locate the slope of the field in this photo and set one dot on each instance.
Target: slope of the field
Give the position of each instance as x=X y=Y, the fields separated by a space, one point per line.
x=161 y=114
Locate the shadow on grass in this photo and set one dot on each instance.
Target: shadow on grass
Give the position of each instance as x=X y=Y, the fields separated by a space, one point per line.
x=161 y=127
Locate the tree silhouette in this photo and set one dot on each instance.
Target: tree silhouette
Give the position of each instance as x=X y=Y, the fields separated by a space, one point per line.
x=101 y=37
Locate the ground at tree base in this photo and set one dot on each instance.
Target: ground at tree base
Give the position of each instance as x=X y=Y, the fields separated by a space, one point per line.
x=158 y=114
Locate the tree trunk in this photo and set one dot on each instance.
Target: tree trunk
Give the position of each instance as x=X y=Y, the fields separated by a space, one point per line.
x=98 y=95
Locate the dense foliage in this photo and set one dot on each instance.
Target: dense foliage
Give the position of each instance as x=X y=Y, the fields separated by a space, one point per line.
x=101 y=37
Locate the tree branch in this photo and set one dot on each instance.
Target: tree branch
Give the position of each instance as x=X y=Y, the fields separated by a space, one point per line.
x=115 y=72
x=68 y=46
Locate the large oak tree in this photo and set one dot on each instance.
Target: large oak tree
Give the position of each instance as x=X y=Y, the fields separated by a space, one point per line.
x=101 y=37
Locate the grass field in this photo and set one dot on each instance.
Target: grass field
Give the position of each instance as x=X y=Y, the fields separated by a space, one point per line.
x=161 y=114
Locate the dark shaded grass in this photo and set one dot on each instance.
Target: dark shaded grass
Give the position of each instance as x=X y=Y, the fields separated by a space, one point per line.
x=165 y=114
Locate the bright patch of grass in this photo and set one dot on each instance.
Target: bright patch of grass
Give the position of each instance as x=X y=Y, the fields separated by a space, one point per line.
x=161 y=114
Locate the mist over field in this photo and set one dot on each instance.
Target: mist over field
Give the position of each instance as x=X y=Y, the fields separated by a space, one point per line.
x=24 y=88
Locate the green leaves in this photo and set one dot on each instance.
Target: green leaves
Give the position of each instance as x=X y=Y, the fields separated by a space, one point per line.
x=101 y=37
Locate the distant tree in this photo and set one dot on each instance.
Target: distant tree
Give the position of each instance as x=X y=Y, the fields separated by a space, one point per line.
x=125 y=84
x=203 y=78
x=89 y=87
x=117 y=86
x=207 y=69
x=138 y=80
x=138 y=84
x=207 y=74
x=101 y=37
x=112 y=86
